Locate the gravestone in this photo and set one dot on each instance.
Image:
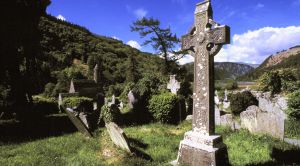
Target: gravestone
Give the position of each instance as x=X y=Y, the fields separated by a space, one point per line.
x=226 y=95
x=173 y=84
x=131 y=99
x=201 y=147
x=96 y=75
x=118 y=136
x=263 y=122
x=217 y=100
x=74 y=117
x=217 y=115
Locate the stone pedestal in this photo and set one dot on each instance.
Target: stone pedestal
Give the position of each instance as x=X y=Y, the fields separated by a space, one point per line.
x=201 y=150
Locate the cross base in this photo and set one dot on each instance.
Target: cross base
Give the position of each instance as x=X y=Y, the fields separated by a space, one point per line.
x=202 y=150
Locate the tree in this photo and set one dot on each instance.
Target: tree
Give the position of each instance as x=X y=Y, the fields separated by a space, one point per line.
x=131 y=72
x=161 y=39
x=19 y=47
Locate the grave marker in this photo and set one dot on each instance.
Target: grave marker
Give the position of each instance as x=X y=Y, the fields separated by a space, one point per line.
x=201 y=146
x=173 y=84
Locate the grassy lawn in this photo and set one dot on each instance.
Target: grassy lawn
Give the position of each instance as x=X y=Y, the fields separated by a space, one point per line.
x=154 y=144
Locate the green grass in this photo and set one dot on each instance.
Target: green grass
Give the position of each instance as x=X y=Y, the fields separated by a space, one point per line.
x=292 y=129
x=156 y=141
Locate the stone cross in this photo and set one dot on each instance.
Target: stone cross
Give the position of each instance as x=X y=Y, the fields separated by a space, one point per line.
x=173 y=85
x=200 y=146
x=205 y=40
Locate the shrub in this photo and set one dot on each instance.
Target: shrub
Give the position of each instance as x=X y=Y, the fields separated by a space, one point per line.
x=241 y=101
x=110 y=114
x=231 y=85
x=165 y=108
x=82 y=104
x=49 y=89
x=44 y=106
x=271 y=81
x=294 y=105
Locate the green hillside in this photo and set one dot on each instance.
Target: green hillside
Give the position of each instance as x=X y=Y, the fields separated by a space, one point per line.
x=63 y=42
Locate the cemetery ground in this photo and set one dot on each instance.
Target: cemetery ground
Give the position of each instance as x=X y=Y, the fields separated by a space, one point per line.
x=53 y=140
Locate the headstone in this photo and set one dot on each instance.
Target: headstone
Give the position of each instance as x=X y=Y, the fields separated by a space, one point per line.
x=131 y=99
x=227 y=120
x=217 y=115
x=113 y=99
x=217 y=100
x=226 y=105
x=121 y=105
x=189 y=118
x=96 y=75
x=118 y=136
x=201 y=147
x=173 y=84
x=258 y=121
x=74 y=117
x=226 y=95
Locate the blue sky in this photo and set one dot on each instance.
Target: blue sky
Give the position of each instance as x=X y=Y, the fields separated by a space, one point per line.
x=259 y=28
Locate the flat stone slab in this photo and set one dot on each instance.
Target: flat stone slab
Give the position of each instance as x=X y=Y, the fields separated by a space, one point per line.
x=78 y=123
x=118 y=136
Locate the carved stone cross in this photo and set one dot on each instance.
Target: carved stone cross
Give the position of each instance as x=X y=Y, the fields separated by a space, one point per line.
x=205 y=40
x=200 y=146
x=173 y=85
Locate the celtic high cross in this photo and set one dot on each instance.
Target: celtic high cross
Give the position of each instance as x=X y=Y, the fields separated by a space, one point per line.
x=204 y=40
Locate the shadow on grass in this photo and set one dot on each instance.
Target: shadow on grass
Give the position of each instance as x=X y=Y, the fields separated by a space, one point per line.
x=135 y=144
x=282 y=157
x=35 y=128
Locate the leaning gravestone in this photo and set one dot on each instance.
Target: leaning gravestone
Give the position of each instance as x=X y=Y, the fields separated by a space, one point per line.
x=201 y=147
x=118 y=136
x=78 y=122
x=173 y=84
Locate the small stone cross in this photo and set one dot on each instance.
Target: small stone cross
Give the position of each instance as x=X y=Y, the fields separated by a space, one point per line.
x=204 y=40
x=173 y=85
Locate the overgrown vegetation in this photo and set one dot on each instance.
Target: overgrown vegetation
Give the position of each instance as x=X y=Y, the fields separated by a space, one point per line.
x=82 y=104
x=293 y=110
x=241 y=101
x=167 y=108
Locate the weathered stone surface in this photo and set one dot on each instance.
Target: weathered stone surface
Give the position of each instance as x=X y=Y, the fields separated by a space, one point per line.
x=227 y=120
x=173 y=84
x=189 y=117
x=226 y=105
x=217 y=116
x=202 y=150
x=276 y=104
x=131 y=99
x=204 y=41
x=74 y=117
x=258 y=121
x=118 y=136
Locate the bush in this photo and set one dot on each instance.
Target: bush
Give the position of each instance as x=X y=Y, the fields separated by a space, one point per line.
x=82 y=104
x=110 y=114
x=165 y=108
x=294 y=105
x=231 y=85
x=271 y=81
x=44 y=106
x=49 y=89
x=241 y=101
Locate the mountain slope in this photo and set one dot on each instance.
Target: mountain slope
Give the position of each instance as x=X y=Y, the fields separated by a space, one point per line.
x=287 y=59
x=62 y=42
x=225 y=70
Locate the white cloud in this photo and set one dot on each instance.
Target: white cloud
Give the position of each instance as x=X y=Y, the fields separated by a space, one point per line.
x=134 y=44
x=140 y=13
x=256 y=46
x=60 y=17
x=114 y=37
x=186 y=59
